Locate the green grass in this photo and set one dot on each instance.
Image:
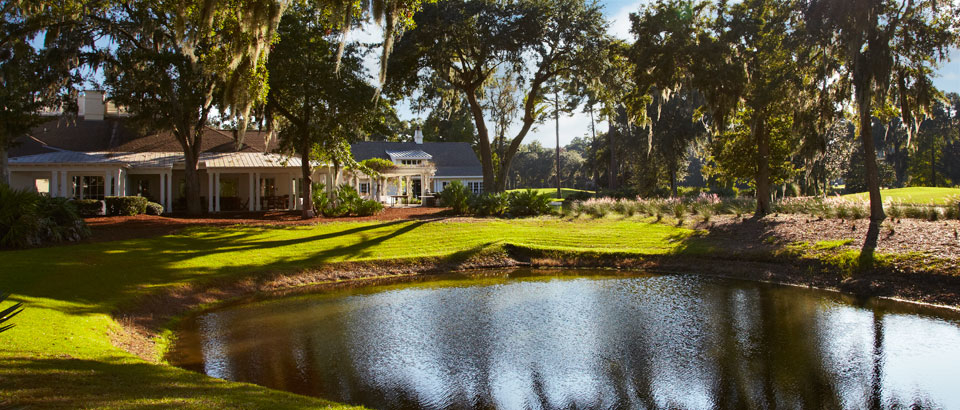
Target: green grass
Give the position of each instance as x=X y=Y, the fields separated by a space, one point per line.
x=828 y=245
x=60 y=352
x=914 y=195
x=564 y=193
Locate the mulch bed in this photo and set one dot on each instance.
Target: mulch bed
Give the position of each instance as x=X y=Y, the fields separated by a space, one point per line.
x=116 y=228
x=933 y=239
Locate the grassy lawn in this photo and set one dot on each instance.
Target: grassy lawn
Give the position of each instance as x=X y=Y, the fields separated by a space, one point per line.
x=60 y=353
x=914 y=195
x=565 y=192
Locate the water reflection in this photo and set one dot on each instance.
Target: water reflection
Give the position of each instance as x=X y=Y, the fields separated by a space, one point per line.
x=588 y=341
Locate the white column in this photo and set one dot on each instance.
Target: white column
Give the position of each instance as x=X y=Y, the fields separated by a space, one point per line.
x=54 y=187
x=423 y=186
x=250 y=192
x=122 y=178
x=169 y=206
x=293 y=192
x=216 y=179
x=209 y=191
x=116 y=183
x=256 y=191
x=65 y=185
x=163 y=189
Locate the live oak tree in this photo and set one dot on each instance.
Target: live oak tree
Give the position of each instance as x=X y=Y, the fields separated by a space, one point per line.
x=464 y=43
x=746 y=59
x=316 y=113
x=174 y=59
x=42 y=46
x=888 y=49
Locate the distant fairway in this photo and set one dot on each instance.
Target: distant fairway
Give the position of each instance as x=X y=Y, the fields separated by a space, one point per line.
x=915 y=195
x=565 y=192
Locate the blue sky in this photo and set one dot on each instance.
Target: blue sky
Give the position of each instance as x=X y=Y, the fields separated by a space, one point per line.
x=617 y=13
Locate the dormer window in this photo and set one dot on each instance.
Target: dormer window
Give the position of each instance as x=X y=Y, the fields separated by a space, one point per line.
x=411 y=162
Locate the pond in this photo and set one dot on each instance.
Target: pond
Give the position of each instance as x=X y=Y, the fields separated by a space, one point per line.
x=581 y=339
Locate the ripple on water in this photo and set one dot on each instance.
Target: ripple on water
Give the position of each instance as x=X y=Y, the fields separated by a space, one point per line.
x=525 y=340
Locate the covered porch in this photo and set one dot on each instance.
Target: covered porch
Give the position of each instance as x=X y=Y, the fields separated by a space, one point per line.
x=401 y=185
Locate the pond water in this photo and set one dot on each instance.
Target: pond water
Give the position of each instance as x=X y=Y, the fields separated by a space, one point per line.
x=579 y=339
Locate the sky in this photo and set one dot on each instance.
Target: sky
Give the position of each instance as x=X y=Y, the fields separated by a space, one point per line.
x=617 y=13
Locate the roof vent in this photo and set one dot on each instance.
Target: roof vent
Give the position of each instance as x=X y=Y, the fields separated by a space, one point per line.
x=418 y=136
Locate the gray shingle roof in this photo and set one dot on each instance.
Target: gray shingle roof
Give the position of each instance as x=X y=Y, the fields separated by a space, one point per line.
x=450 y=158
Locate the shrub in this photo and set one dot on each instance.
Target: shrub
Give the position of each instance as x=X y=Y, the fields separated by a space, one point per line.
x=368 y=207
x=154 y=208
x=842 y=211
x=126 y=205
x=456 y=196
x=914 y=212
x=952 y=211
x=320 y=198
x=599 y=207
x=858 y=212
x=90 y=207
x=490 y=204
x=895 y=210
x=679 y=208
x=529 y=203
x=18 y=217
x=29 y=219
x=58 y=220
x=933 y=214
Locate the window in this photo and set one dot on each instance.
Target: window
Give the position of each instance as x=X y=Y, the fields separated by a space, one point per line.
x=443 y=185
x=475 y=187
x=143 y=187
x=42 y=185
x=364 y=188
x=88 y=187
x=228 y=187
x=269 y=187
x=411 y=161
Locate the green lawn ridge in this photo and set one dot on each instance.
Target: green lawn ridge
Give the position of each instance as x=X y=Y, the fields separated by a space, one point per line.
x=60 y=352
x=915 y=195
x=565 y=192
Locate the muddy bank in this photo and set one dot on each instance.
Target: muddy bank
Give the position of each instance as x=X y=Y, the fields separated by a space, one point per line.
x=148 y=317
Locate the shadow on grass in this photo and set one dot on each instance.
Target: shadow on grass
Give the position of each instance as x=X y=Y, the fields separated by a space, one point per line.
x=100 y=275
x=122 y=383
x=748 y=236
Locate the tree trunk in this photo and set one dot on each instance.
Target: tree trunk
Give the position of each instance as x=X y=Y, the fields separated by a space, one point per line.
x=306 y=187
x=933 y=165
x=4 y=166
x=593 y=156
x=763 y=165
x=191 y=178
x=556 y=117
x=673 y=182
x=612 y=169
x=870 y=161
x=483 y=137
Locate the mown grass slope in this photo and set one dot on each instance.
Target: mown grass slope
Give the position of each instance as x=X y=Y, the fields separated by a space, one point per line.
x=914 y=195
x=60 y=353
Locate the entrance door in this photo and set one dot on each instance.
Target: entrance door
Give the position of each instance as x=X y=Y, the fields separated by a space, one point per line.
x=415 y=185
